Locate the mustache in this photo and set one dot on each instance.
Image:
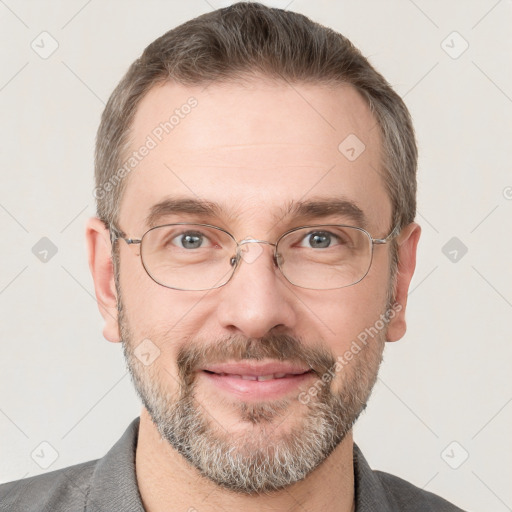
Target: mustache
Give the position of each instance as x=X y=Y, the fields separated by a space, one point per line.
x=194 y=354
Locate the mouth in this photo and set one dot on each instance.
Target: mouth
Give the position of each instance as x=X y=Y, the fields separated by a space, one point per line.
x=256 y=381
x=259 y=378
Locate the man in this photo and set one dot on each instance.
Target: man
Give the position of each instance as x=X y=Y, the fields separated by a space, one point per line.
x=253 y=252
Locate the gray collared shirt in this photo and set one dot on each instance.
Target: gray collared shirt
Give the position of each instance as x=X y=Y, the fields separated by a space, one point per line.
x=109 y=484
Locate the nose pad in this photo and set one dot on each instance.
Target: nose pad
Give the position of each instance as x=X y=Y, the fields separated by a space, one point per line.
x=250 y=252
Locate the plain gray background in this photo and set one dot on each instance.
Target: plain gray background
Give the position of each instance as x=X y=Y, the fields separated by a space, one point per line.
x=441 y=412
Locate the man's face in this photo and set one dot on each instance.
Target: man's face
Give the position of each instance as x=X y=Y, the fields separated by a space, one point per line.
x=254 y=150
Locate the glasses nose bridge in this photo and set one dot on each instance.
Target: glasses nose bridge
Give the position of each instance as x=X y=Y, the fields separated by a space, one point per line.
x=253 y=241
x=249 y=240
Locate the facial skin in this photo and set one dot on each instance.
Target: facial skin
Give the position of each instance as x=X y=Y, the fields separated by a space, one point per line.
x=253 y=149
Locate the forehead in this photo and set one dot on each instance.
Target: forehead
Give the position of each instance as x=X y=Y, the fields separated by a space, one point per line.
x=254 y=150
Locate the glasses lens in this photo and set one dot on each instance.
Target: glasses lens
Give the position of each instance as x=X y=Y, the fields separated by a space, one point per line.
x=325 y=257
x=188 y=256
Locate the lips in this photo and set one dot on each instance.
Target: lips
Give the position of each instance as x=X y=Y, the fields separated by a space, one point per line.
x=254 y=380
x=257 y=371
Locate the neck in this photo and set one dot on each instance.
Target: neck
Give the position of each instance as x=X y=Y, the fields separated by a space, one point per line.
x=168 y=482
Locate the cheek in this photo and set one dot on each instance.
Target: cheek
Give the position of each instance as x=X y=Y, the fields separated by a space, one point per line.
x=152 y=311
x=352 y=311
x=143 y=300
x=131 y=272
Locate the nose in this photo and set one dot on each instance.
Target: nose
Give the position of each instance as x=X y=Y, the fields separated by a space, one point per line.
x=257 y=299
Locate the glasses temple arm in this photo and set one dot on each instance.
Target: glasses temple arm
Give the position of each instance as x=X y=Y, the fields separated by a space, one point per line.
x=393 y=234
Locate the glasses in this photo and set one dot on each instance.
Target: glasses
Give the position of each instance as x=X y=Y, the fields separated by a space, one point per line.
x=196 y=257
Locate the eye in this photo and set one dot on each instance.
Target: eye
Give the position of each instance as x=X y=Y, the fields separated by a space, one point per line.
x=191 y=240
x=321 y=240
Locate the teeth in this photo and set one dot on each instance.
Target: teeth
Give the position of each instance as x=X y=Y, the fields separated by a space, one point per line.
x=259 y=378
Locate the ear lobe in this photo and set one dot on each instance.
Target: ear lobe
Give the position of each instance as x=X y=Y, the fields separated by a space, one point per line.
x=99 y=250
x=407 y=245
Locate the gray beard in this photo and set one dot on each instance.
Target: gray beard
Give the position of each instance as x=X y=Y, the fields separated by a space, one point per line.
x=258 y=460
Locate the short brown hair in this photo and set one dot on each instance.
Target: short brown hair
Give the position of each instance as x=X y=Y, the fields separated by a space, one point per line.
x=245 y=39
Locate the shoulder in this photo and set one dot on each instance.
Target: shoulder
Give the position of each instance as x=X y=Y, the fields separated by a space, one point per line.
x=61 y=490
x=406 y=496
x=376 y=490
x=106 y=484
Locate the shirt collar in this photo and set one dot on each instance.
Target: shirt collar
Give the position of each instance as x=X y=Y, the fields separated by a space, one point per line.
x=369 y=492
x=114 y=482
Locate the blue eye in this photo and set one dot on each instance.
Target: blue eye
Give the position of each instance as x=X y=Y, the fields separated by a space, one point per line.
x=321 y=240
x=190 y=240
x=177 y=238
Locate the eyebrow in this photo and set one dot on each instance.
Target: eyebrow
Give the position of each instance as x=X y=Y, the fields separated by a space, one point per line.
x=298 y=210
x=325 y=208
x=171 y=206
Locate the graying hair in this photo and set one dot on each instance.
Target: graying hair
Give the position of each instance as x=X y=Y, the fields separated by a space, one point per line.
x=237 y=42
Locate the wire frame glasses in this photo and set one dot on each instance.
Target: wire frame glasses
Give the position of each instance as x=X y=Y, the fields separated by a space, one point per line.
x=190 y=256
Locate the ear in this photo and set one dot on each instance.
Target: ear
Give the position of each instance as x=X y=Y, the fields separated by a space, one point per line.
x=99 y=250
x=407 y=244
